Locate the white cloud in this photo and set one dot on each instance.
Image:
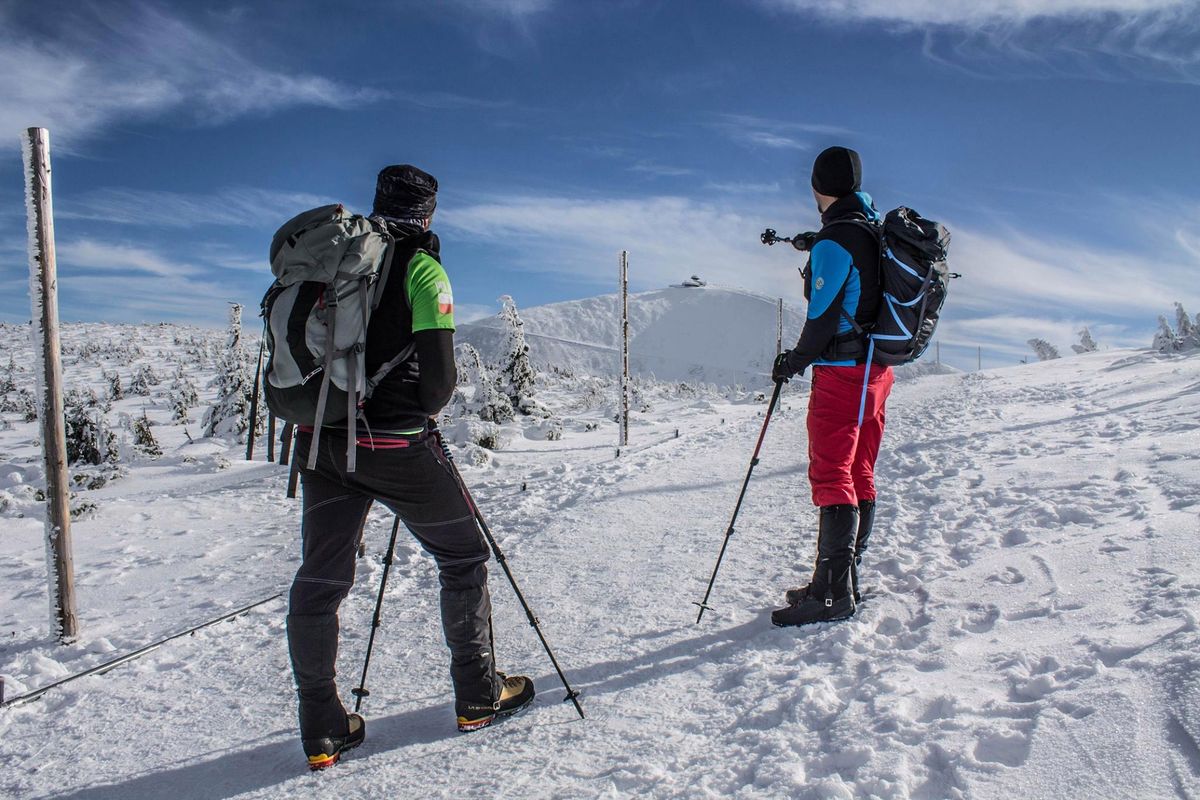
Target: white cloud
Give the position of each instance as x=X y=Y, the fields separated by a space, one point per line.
x=235 y=206
x=98 y=67
x=971 y=13
x=668 y=238
x=1015 y=286
x=1104 y=39
x=511 y=8
x=94 y=254
x=772 y=133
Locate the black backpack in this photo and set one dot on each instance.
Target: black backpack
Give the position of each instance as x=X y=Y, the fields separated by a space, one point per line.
x=913 y=275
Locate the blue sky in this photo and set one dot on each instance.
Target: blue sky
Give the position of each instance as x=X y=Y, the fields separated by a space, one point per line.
x=1055 y=137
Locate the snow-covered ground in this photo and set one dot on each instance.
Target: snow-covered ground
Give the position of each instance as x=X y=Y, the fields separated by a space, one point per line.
x=1031 y=629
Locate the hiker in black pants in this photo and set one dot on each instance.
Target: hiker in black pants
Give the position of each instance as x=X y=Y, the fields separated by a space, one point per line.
x=399 y=464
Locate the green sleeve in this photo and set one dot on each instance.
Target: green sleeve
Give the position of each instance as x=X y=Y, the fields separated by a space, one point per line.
x=429 y=294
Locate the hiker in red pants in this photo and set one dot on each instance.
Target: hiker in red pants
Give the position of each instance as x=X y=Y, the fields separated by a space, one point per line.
x=846 y=404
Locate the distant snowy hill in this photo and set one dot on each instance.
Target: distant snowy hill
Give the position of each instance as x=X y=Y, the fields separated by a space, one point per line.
x=695 y=334
x=698 y=334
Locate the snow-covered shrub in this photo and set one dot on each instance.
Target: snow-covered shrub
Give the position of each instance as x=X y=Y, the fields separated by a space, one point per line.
x=1185 y=335
x=229 y=416
x=115 y=390
x=143 y=438
x=143 y=378
x=472 y=431
x=1086 y=343
x=88 y=439
x=1043 y=349
x=181 y=397
x=8 y=379
x=1186 y=331
x=477 y=394
x=20 y=402
x=1164 y=338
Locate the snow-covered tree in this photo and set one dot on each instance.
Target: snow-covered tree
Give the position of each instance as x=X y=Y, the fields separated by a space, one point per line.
x=88 y=440
x=1043 y=349
x=1086 y=343
x=485 y=400
x=143 y=378
x=8 y=380
x=115 y=390
x=182 y=397
x=1187 y=332
x=229 y=415
x=143 y=438
x=1164 y=338
x=516 y=375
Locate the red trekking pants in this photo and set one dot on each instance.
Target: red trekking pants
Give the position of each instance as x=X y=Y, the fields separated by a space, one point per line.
x=841 y=453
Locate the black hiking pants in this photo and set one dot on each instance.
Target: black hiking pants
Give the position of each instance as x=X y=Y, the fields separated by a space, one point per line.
x=413 y=479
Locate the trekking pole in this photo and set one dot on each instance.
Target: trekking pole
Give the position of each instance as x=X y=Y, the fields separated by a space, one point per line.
x=572 y=695
x=262 y=343
x=729 y=531
x=361 y=691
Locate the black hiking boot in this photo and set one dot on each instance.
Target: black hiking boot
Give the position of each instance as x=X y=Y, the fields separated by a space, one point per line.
x=516 y=693
x=866 y=522
x=326 y=751
x=830 y=596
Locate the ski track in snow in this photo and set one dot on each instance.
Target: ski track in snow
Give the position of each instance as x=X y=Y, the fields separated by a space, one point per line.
x=1030 y=628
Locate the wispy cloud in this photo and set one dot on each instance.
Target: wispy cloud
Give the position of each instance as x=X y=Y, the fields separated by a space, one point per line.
x=1093 y=38
x=972 y=13
x=669 y=238
x=98 y=66
x=509 y=8
x=235 y=206
x=1015 y=286
x=654 y=168
x=109 y=280
x=774 y=134
x=94 y=254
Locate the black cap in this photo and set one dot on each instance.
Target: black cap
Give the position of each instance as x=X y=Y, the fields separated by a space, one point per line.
x=837 y=172
x=404 y=192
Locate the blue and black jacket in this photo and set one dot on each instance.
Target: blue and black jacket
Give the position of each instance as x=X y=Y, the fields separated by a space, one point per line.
x=840 y=281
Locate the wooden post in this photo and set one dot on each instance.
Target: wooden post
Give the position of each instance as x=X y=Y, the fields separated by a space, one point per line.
x=624 y=434
x=43 y=296
x=271 y=437
x=258 y=368
x=779 y=329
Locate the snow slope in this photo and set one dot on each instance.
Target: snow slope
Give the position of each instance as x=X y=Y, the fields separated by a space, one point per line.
x=704 y=334
x=1031 y=628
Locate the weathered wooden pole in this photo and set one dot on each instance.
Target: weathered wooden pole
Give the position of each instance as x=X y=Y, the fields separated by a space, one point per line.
x=624 y=435
x=43 y=297
x=271 y=437
x=779 y=329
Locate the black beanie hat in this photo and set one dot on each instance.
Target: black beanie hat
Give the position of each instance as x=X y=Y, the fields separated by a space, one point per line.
x=405 y=192
x=837 y=172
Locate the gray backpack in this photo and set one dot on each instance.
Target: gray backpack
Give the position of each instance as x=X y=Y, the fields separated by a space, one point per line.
x=330 y=269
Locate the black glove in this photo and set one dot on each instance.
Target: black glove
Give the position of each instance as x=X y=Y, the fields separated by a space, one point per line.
x=804 y=241
x=783 y=370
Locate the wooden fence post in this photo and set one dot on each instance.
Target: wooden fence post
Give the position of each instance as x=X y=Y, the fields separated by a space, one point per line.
x=43 y=297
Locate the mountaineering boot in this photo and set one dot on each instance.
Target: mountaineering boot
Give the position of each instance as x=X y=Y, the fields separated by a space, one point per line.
x=325 y=751
x=830 y=596
x=516 y=692
x=866 y=521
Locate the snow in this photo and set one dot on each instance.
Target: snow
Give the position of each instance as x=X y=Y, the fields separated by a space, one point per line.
x=1030 y=629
